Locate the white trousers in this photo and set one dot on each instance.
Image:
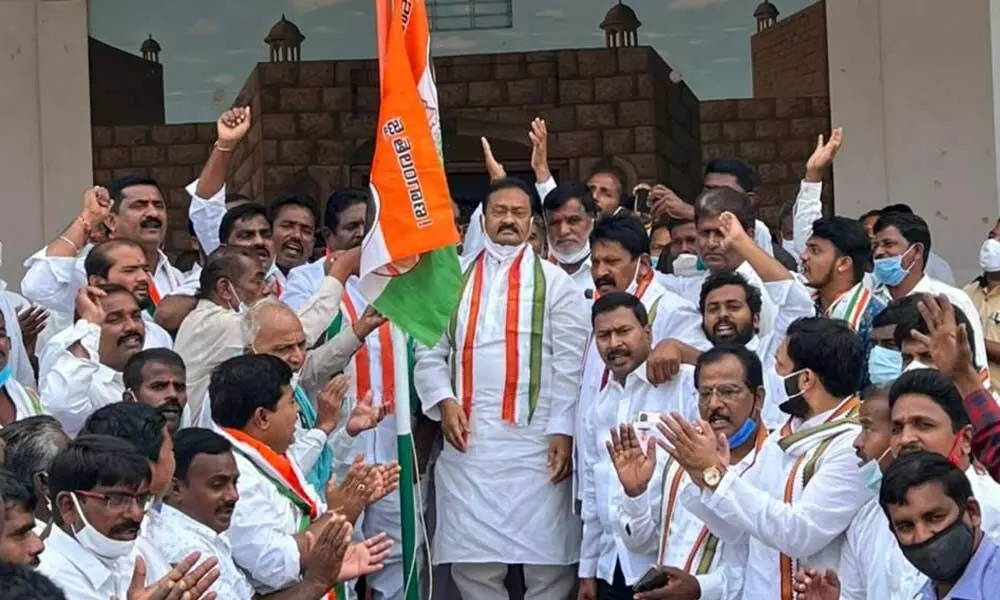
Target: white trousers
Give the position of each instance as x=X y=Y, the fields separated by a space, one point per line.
x=485 y=581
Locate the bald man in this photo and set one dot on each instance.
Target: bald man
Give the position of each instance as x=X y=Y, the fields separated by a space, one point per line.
x=233 y=280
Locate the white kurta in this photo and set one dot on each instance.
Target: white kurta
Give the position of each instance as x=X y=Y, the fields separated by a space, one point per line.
x=72 y=388
x=495 y=502
x=752 y=511
x=602 y=547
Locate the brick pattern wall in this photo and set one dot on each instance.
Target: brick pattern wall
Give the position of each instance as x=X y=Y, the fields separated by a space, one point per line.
x=314 y=123
x=790 y=58
x=171 y=154
x=316 y=117
x=776 y=135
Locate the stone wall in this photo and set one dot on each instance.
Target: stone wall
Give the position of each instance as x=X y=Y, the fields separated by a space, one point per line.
x=317 y=118
x=171 y=154
x=776 y=135
x=790 y=58
x=313 y=124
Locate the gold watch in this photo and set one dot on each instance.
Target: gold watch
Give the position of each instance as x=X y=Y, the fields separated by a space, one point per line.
x=712 y=476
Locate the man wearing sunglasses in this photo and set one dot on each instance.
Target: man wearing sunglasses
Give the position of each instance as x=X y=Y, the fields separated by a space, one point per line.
x=100 y=487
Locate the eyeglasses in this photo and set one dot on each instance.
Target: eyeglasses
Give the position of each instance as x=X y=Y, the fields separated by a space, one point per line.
x=119 y=502
x=725 y=392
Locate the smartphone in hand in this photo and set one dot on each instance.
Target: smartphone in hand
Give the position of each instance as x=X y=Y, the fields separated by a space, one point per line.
x=653 y=579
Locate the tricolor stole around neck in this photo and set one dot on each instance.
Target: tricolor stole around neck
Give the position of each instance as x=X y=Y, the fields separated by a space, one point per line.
x=361 y=361
x=524 y=312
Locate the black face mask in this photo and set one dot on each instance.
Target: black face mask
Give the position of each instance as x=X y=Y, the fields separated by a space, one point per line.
x=796 y=404
x=943 y=557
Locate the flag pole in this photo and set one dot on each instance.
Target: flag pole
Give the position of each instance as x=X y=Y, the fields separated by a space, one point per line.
x=408 y=466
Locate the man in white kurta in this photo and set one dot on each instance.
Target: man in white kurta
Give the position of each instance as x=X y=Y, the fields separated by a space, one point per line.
x=370 y=371
x=136 y=211
x=620 y=259
x=655 y=521
x=794 y=506
x=622 y=334
x=84 y=372
x=498 y=501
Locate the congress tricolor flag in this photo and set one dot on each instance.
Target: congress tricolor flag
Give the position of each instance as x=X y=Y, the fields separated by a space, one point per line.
x=409 y=266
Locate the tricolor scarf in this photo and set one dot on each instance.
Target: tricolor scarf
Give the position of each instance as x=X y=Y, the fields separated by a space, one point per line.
x=319 y=475
x=850 y=306
x=154 y=292
x=361 y=363
x=285 y=477
x=524 y=313
x=809 y=445
x=705 y=539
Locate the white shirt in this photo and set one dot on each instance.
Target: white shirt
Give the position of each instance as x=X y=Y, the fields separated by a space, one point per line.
x=206 y=215
x=987 y=492
x=929 y=285
x=73 y=388
x=81 y=574
x=474 y=520
x=263 y=526
x=53 y=281
x=673 y=318
x=602 y=547
x=938 y=268
x=158 y=564
x=751 y=510
x=177 y=535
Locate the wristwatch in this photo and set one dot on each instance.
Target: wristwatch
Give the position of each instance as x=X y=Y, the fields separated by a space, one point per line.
x=712 y=476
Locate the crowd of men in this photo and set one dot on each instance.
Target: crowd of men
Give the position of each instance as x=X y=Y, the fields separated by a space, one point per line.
x=638 y=396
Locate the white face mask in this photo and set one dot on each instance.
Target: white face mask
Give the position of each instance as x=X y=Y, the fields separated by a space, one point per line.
x=241 y=307
x=686 y=265
x=98 y=543
x=634 y=286
x=989 y=256
x=503 y=252
x=916 y=364
x=569 y=258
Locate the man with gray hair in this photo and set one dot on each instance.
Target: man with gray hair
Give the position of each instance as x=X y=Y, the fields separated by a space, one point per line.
x=231 y=281
x=32 y=444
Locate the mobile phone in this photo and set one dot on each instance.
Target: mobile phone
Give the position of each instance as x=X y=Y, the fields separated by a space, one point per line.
x=645 y=428
x=653 y=579
x=642 y=201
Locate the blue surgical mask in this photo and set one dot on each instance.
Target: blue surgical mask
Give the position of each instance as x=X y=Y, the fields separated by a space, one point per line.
x=743 y=434
x=5 y=375
x=884 y=365
x=871 y=473
x=889 y=270
x=654 y=261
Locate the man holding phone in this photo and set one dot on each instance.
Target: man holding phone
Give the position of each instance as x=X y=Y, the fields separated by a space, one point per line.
x=691 y=563
x=608 y=568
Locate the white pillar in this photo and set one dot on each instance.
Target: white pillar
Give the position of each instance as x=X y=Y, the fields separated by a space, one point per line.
x=45 y=152
x=911 y=82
